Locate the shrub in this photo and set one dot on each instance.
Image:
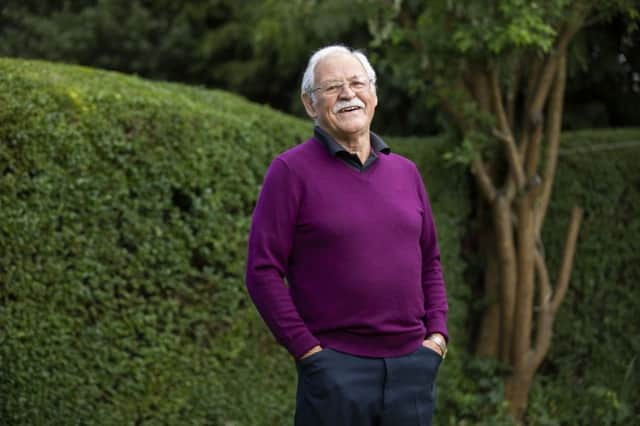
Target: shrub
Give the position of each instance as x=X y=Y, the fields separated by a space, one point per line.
x=591 y=375
x=125 y=210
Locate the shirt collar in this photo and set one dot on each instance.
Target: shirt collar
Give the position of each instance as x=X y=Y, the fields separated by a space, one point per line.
x=334 y=147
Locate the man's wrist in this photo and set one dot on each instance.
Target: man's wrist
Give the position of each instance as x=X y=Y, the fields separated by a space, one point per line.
x=440 y=341
x=310 y=352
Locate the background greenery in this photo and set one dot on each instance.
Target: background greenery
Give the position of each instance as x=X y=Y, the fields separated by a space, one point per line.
x=249 y=47
x=593 y=370
x=125 y=206
x=125 y=210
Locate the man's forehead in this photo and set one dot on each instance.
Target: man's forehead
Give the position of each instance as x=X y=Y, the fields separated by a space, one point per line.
x=340 y=65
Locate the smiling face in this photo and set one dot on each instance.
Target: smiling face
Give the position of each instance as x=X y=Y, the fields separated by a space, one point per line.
x=348 y=113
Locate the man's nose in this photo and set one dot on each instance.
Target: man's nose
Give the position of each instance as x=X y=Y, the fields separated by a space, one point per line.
x=346 y=91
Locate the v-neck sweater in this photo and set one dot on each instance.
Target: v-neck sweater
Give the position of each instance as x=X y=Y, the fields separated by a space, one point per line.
x=358 y=251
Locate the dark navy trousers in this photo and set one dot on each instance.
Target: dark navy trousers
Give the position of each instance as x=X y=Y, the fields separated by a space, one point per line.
x=338 y=389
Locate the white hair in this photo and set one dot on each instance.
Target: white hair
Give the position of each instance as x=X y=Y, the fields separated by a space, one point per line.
x=309 y=76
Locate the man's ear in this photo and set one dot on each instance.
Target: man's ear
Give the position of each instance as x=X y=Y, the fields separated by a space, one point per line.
x=308 y=105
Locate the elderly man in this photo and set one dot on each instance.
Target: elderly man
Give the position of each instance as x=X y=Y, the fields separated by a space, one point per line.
x=348 y=224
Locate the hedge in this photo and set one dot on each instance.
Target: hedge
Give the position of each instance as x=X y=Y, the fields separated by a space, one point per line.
x=592 y=374
x=124 y=210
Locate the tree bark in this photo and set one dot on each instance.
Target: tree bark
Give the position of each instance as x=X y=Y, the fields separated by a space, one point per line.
x=518 y=209
x=507 y=268
x=518 y=114
x=554 y=127
x=517 y=388
x=488 y=339
x=517 y=198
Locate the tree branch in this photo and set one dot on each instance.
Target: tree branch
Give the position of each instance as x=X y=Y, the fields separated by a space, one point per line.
x=554 y=127
x=503 y=132
x=548 y=75
x=498 y=108
x=487 y=188
x=544 y=327
x=523 y=146
x=512 y=156
x=510 y=190
x=548 y=304
x=532 y=155
x=543 y=276
x=507 y=264
x=511 y=95
x=535 y=67
x=574 y=23
x=562 y=282
x=526 y=247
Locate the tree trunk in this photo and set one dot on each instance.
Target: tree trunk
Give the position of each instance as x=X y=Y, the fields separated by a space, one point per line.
x=515 y=265
x=517 y=393
x=503 y=234
x=488 y=340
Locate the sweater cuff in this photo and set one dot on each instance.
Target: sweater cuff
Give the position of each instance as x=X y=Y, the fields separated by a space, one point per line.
x=437 y=325
x=302 y=345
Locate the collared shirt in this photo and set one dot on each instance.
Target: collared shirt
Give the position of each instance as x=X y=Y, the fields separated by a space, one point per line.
x=337 y=150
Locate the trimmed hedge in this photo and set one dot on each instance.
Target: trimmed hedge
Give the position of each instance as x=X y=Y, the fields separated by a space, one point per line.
x=592 y=373
x=125 y=210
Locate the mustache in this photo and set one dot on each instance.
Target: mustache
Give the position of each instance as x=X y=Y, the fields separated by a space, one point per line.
x=355 y=102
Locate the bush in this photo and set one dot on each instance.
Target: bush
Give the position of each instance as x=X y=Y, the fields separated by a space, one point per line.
x=125 y=210
x=591 y=375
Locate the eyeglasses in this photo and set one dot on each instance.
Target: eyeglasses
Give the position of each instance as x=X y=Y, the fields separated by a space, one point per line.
x=332 y=88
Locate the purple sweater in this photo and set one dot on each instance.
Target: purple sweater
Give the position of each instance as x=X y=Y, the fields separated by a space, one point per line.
x=358 y=250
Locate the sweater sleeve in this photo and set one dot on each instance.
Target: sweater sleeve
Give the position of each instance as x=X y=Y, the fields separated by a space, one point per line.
x=270 y=243
x=433 y=286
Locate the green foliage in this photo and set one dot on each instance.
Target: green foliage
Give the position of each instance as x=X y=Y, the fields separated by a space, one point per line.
x=125 y=206
x=447 y=37
x=243 y=46
x=451 y=36
x=125 y=210
x=199 y=41
x=591 y=375
x=465 y=152
x=437 y=48
x=247 y=46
